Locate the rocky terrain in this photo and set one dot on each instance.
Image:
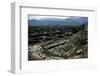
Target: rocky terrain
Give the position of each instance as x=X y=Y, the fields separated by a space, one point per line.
x=68 y=45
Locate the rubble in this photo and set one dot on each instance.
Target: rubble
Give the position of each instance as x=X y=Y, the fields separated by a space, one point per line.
x=73 y=47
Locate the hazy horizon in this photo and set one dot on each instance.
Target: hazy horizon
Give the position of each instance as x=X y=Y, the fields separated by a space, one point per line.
x=56 y=20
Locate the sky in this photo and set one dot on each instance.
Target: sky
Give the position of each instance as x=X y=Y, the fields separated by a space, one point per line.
x=42 y=17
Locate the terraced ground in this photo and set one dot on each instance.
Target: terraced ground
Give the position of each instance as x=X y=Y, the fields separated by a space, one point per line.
x=66 y=45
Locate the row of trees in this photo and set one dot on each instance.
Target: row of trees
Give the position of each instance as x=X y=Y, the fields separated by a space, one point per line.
x=48 y=29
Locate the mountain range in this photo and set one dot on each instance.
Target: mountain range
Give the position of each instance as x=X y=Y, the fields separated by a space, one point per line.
x=58 y=21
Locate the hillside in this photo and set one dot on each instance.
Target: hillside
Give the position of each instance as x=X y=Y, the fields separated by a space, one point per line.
x=54 y=21
x=69 y=46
